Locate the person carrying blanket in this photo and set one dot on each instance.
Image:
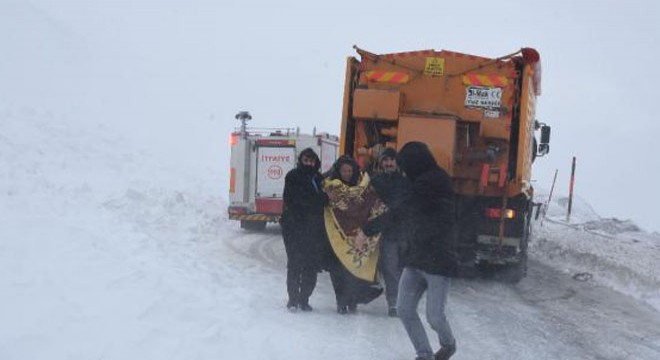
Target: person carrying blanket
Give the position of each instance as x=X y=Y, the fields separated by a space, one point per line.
x=352 y=266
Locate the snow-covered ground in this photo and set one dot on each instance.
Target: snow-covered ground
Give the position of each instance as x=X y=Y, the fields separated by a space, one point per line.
x=612 y=252
x=114 y=248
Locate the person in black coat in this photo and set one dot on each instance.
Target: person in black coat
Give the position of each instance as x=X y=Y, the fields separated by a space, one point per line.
x=428 y=217
x=390 y=186
x=303 y=229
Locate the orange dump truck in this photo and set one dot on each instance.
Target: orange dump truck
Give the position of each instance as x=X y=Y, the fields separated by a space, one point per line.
x=477 y=115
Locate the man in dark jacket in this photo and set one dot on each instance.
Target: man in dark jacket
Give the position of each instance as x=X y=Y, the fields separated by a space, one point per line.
x=303 y=229
x=390 y=186
x=427 y=212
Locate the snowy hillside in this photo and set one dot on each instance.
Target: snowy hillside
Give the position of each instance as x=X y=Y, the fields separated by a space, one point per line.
x=116 y=248
x=82 y=277
x=613 y=252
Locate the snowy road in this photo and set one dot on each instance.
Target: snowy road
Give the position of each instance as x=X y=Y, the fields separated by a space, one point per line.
x=549 y=315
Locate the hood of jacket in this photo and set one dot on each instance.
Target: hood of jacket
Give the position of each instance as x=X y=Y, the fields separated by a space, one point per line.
x=387 y=153
x=309 y=152
x=415 y=158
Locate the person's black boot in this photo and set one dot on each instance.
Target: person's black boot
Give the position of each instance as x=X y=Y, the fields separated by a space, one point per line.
x=304 y=306
x=292 y=305
x=342 y=309
x=369 y=295
x=445 y=352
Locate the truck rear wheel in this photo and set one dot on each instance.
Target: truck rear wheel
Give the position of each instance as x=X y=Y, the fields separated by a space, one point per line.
x=513 y=273
x=253 y=225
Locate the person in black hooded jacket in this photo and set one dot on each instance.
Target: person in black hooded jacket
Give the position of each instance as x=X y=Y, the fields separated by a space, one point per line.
x=303 y=229
x=426 y=211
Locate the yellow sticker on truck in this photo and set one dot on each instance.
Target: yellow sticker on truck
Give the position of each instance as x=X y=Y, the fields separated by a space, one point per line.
x=435 y=66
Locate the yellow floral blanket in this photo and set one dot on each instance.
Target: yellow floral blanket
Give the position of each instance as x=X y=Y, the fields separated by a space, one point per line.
x=350 y=208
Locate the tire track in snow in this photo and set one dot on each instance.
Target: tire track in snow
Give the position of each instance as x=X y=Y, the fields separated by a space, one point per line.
x=264 y=247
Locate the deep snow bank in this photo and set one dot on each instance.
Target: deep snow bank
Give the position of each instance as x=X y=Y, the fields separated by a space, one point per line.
x=93 y=263
x=613 y=252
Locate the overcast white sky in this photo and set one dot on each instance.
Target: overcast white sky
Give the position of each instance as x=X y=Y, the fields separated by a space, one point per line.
x=155 y=68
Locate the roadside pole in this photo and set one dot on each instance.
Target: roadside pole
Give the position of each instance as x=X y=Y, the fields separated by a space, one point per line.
x=570 y=193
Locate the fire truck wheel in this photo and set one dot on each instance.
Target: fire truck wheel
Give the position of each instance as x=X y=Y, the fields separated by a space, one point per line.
x=253 y=225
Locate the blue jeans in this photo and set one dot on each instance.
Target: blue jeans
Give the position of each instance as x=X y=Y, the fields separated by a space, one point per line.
x=411 y=288
x=390 y=267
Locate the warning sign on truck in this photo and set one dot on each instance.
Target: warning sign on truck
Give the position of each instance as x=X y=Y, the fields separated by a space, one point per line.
x=434 y=66
x=483 y=97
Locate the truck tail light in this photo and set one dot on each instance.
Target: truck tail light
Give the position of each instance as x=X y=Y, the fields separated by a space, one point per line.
x=496 y=213
x=234 y=210
x=232 y=180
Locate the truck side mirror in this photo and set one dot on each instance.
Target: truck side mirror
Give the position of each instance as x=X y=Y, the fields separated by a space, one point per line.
x=545 y=134
x=544 y=149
